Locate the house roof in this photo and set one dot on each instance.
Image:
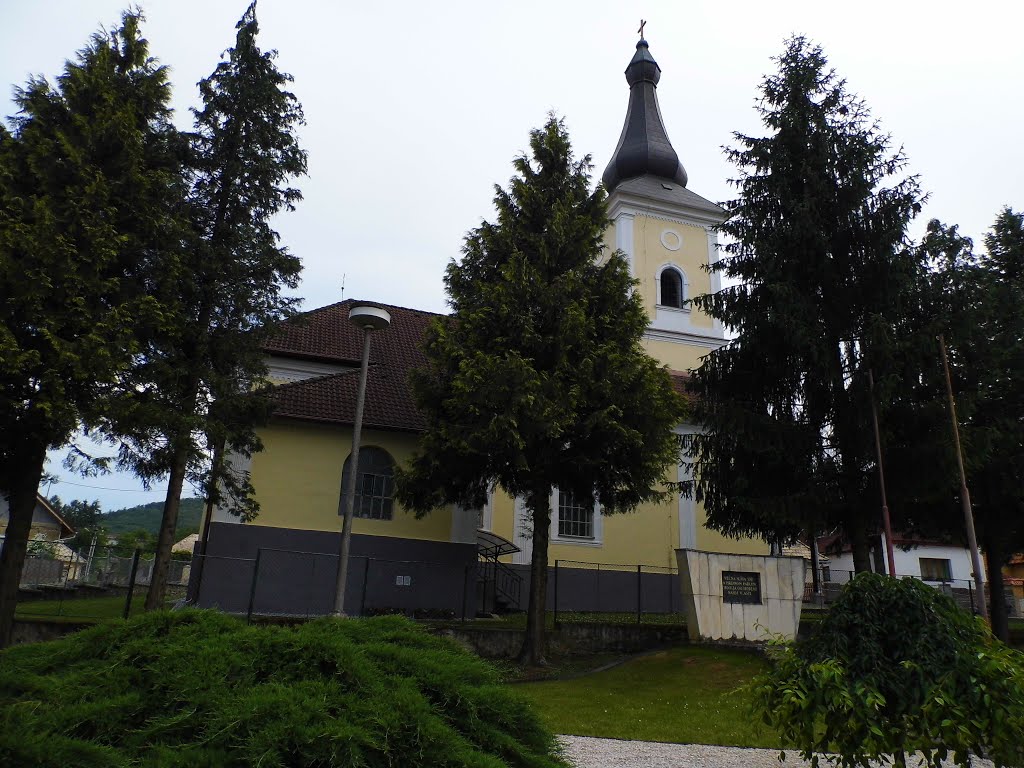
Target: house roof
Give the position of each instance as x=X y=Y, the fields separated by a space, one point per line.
x=187 y=544
x=837 y=543
x=326 y=335
x=65 y=529
x=655 y=188
x=42 y=505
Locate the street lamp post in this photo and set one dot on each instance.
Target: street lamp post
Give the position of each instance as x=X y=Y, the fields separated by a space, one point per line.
x=370 y=319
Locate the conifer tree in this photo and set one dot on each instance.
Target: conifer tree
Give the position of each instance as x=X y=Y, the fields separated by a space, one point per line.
x=538 y=379
x=199 y=390
x=996 y=427
x=821 y=275
x=979 y=314
x=88 y=179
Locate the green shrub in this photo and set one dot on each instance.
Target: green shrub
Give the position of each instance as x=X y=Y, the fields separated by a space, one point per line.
x=897 y=667
x=197 y=688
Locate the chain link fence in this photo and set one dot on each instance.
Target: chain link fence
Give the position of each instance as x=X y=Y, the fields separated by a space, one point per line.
x=609 y=592
x=280 y=583
x=831 y=583
x=102 y=583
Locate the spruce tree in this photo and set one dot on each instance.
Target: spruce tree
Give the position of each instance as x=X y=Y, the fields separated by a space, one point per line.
x=88 y=178
x=996 y=428
x=538 y=379
x=984 y=331
x=199 y=386
x=820 y=277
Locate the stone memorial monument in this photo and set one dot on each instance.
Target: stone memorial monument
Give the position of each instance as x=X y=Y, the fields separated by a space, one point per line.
x=740 y=597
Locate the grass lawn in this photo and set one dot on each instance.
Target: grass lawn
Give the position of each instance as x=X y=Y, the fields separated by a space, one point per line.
x=687 y=695
x=84 y=609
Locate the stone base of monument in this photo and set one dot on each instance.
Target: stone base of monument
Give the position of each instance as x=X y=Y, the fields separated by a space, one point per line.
x=740 y=597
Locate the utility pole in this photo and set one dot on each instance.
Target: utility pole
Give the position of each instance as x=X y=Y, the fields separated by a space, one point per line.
x=886 y=524
x=965 y=496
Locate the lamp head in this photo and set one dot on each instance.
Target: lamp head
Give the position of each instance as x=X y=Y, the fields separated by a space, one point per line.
x=369 y=317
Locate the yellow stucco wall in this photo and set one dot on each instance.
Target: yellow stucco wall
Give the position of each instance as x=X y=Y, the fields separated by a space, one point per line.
x=297 y=478
x=678 y=357
x=647 y=536
x=650 y=254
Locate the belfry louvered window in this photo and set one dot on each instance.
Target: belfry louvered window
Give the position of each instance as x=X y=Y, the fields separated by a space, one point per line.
x=672 y=294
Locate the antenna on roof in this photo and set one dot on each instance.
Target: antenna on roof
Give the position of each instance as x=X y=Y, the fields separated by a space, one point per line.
x=342 y=286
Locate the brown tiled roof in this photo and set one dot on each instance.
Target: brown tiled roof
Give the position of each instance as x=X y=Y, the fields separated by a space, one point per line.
x=389 y=403
x=679 y=383
x=326 y=335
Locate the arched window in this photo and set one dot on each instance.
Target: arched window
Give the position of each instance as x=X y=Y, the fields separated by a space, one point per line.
x=375 y=486
x=672 y=291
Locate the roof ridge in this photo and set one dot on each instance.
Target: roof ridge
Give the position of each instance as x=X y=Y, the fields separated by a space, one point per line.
x=381 y=304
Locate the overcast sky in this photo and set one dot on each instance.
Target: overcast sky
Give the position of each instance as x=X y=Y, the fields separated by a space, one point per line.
x=415 y=110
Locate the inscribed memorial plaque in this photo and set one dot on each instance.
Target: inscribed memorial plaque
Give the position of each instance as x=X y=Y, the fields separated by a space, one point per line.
x=741 y=587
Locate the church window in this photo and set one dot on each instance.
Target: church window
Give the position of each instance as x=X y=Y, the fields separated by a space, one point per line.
x=575 y=516
x=375 y=484
x=671 y=288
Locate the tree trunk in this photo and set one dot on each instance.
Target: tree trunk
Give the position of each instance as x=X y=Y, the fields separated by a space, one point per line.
x=812 y=538
x=997 y=614
x=532 y=652
x=861 y=547
x=21 y=498
x=162 y=559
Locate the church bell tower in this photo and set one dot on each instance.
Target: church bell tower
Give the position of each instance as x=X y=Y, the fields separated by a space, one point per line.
x=666 y=231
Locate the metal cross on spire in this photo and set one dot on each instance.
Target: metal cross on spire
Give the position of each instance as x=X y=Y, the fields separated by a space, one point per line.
x=643 y=23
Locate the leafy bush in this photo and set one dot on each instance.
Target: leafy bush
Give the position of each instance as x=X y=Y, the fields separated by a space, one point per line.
x=197 y=688
x=897 y=666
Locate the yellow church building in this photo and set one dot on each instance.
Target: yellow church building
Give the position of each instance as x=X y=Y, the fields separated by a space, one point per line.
x=453 y=560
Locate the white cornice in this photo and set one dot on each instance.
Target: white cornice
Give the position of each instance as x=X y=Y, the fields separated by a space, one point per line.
x=621 y=202
x=689 y=339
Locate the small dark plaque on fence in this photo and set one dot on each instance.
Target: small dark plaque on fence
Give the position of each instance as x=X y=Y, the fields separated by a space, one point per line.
x=741 y=587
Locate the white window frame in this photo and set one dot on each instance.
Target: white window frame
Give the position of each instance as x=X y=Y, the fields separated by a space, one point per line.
x=596 y=541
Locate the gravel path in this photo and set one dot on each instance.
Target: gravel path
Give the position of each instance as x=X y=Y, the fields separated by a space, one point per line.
x=587 y=752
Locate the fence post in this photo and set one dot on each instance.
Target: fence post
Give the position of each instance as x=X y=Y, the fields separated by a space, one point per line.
x=554 y=617
x=252 y=587
x=366 y=582
x=465 y=581
x=671 y=602
x=131 y=583
x=639 y=592
x=970 y=594
x=69 y=564
x=598 y=590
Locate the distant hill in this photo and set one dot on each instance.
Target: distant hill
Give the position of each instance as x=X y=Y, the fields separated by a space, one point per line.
x=146 y=517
